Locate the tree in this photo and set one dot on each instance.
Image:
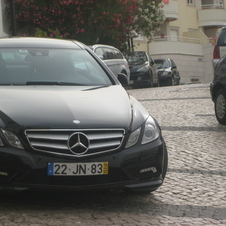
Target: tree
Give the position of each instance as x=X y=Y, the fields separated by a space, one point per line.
x=148 y=17
x=90 y=21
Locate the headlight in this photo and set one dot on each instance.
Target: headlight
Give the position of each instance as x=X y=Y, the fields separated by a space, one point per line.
x=151 y=131
x=12 y=139
x=144 y=68
x=133 y=138
x=165 y=73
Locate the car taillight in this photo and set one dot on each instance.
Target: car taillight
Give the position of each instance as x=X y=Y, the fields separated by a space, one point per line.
x=216 y=52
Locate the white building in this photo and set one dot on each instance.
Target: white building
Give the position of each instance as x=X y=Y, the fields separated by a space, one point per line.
x=3 y=26
x=188 y=36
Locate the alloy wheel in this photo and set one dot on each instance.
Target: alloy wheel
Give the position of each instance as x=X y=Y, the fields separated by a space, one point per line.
x=220 y=106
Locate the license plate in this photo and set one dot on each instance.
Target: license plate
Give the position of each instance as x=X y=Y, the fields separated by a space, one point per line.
x=77 y=169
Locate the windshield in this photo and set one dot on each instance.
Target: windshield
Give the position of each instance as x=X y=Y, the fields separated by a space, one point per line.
x=136 y=58
x=162 y=64
x=50 y=67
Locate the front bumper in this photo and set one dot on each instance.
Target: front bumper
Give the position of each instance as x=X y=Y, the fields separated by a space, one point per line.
x=165 y=79
x=211 y=91
x=139 y=78
x=137 y=168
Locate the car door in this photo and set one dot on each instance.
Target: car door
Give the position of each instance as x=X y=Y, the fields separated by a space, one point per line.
x=222 y=43
x=111 y=60
x=154 y=70
x=174 y=70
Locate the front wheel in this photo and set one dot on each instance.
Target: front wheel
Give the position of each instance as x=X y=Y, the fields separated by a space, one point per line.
x=150 y=83
x=172 y=81
x=220 y=106
x=157 y=83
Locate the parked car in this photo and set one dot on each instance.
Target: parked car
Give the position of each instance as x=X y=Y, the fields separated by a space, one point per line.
x=66 y=122
x=143 y=71
x=220 y=47
x=113 y=58
x=168 y=72
x=218 y=90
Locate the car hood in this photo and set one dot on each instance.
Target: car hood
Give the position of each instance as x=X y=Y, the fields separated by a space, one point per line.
x=59 y=107
x=164 y=69
x=135 y=67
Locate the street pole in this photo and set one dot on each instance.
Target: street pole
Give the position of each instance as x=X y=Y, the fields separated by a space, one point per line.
x=13 y=19
x=132 y=47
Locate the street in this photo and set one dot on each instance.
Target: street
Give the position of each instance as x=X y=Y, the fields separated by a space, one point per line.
x=193 y=193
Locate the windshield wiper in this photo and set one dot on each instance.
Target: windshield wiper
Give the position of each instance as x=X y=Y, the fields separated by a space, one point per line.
x=97 y=87
x=53 y=83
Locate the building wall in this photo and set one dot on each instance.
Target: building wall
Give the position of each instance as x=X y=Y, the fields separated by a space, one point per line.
x=191 y=72
x=207 y=62
x=3 y=23
x=187 y=17
x=1 y=20
x=194 y=61
x=141 y=44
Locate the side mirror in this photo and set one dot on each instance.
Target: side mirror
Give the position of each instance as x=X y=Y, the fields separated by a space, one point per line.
x=123 y=79
x=174 y=67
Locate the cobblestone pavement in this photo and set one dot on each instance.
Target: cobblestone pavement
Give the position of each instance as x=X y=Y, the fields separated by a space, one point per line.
x=194 y=191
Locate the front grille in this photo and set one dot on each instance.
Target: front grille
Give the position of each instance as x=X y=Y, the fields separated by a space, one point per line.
x=40 y=177
x=56 y=141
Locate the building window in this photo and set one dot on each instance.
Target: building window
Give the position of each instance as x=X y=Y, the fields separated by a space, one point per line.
x=219 y=5
x=190 y=2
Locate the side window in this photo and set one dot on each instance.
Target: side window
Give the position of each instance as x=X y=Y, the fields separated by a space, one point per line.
x=118 y=54
x=100 y=53
x=222 y=38
x=109 y=54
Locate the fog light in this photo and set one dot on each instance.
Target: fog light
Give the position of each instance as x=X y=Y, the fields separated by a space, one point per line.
x=153 y=169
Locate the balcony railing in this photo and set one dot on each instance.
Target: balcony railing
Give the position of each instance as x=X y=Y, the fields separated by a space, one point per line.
x=212 y=15
x=212 y=6
x=176 y=39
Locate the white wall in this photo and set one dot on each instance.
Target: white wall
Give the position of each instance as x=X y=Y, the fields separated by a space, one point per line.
x=2 y=7
x=190 y=67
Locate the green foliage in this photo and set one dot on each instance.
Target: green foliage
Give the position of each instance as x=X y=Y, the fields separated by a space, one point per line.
x=89 y=21
x=148 y=17
x=48 y=33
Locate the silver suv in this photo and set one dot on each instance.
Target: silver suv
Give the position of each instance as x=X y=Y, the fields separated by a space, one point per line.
x=220 y=47
x=113 y=58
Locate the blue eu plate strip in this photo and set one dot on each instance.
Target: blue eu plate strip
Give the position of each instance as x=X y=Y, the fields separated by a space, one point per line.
x=50 y=169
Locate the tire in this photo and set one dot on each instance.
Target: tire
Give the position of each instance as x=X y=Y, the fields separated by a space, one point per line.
x=178 y=80
x=165 y=164
x=220 y=106
x=157 y=84
x=172 y=81
x=150 y=84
